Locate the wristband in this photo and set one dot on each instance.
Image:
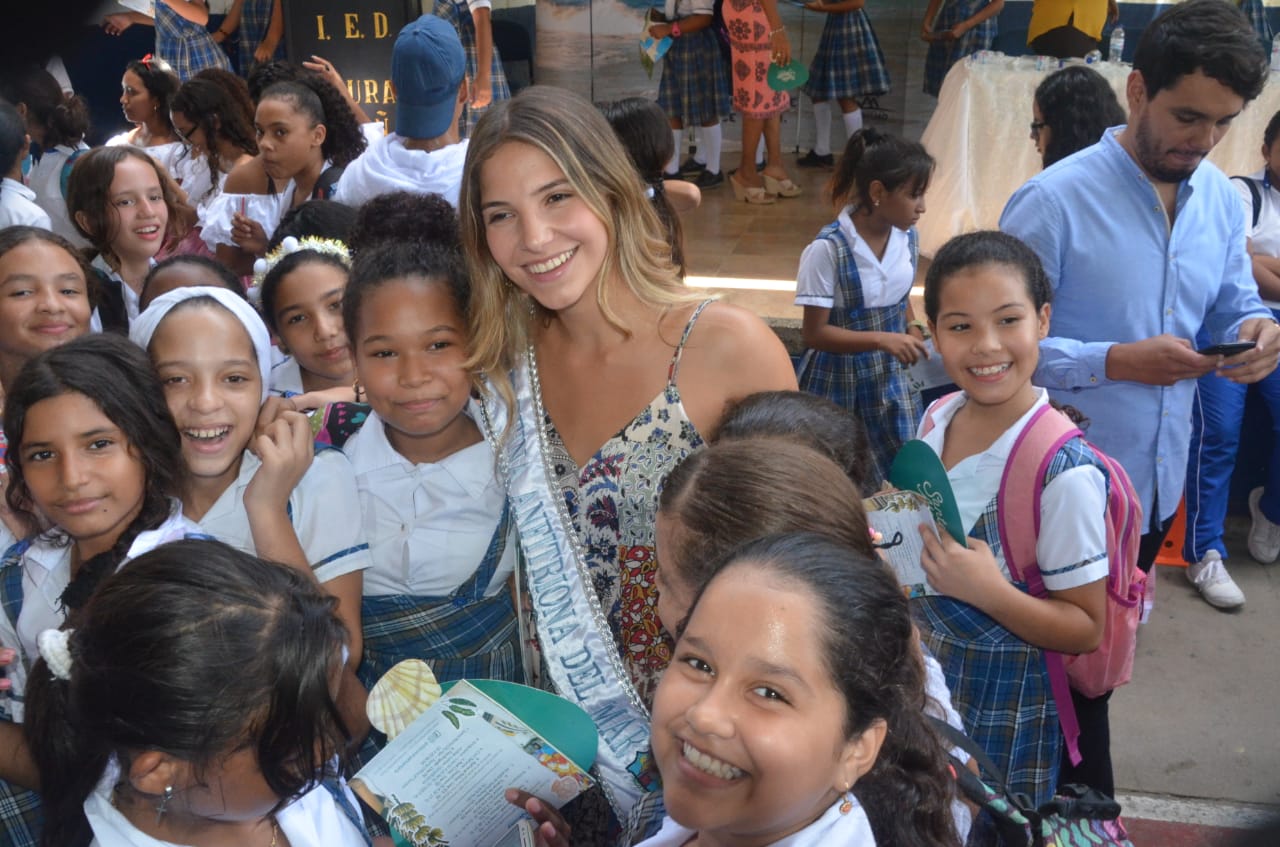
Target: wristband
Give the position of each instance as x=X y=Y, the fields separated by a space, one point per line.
x=675 y=29
x=920 y=325
x=774 y=32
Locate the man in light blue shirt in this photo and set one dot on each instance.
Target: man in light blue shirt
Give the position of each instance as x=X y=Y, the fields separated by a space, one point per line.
x=1144 y=245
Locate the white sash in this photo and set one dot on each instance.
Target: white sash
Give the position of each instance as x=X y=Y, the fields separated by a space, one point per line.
x=576 y=641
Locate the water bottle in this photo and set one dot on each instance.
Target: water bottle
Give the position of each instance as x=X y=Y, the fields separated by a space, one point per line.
x=1115 y=52
x=1275 y=53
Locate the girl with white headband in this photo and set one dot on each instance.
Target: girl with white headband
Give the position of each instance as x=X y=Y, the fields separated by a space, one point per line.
x=270 y=494
x=144 y=739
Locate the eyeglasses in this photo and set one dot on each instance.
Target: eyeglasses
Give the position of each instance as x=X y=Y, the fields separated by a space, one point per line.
x=1036 y=126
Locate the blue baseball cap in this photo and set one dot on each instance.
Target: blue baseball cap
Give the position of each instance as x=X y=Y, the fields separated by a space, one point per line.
x=427 y=67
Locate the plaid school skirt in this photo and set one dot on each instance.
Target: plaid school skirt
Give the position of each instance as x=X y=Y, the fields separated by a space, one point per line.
x=695 y=80
x=186 y=46
x=255 y=18
x=943 y=54
x=460 y=17
x=849 y=61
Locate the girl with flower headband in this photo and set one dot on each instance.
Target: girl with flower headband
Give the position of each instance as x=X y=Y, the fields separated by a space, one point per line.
x=269 y=494
x=300 y=286
x=93 y=451
x=143 y=737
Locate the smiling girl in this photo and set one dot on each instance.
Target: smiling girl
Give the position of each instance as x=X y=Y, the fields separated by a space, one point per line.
x=94 y=454
x=791 y=710
x=306 y=136
x=987 y=297
x=123 y=202
x=280 y=500
x=436 y=516
x=611 y=372
x=302 y=305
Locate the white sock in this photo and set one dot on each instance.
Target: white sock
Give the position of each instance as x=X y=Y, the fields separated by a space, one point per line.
x=822 y=123
x=674 y=165
x=711 y=141
x=699 y=145
x=760 y=150
x=853 y=121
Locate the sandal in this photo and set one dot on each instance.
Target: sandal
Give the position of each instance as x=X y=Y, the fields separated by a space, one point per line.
x=781 y=187
x=754 y=195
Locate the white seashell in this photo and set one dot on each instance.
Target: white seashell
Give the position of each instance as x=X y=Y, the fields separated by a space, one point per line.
x=403 y=693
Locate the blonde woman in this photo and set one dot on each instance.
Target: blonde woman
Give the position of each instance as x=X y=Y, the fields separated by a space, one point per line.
x=605 y=372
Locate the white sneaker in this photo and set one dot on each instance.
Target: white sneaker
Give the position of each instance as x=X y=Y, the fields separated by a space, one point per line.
x=1216 y=586
x=1264 y=536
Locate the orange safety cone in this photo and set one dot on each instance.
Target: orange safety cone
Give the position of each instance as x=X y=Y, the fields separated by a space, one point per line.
x=1171 y=550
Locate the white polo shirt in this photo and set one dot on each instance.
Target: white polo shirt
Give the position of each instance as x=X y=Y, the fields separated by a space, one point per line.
x=321 y=508
x=428 y=525
x=1071 y=549
x=1265 y=237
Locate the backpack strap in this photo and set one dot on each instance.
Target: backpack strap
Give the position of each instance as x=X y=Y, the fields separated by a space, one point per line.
x=1256 y=193
x=913 y=246
x=1019 y=526
x=926 y=422
x=66 y=170
x=111 y=308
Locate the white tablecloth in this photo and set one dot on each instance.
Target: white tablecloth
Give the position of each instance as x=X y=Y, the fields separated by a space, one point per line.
x=980 y=135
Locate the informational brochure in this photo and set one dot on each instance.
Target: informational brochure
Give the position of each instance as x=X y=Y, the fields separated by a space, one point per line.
x=443 y=779
x=896 y=517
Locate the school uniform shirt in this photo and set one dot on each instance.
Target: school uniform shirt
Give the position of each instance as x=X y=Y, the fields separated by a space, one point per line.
x=321 y=509
x=388 y=165
x=45 y=180
x=286 y=377
x=1072 y=545
x=833 y=829
x=131 y=298
x=313 y=820
x=1265 y=236
x=18 y=206
x=170 y=155
x=885 y=281
x=46 y=573
x=428 y=525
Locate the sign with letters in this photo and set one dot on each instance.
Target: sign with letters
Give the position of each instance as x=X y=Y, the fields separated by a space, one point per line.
x=356 y=36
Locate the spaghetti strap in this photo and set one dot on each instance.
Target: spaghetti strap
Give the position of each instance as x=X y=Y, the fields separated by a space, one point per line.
x=674 y=370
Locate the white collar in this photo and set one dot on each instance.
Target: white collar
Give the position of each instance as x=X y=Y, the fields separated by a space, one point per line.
x=999 y=450
x=15 y=187
x=370 y=452
x=833 y=829
x=49 y=552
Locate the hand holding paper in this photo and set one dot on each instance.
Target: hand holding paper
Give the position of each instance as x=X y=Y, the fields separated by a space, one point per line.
x=969 y=574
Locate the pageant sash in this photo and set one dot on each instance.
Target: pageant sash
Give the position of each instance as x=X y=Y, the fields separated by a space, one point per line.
x=577 y=646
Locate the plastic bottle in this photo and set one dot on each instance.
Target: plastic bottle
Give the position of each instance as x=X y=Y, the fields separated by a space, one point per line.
x=1115 y=52
x=1275 y=53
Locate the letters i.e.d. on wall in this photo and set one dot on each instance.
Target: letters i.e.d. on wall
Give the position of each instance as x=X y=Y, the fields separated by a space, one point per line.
x=356 y=36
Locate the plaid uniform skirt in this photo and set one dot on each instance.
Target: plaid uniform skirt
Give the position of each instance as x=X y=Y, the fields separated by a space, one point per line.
x=21 y=816
x=872 y=385
x=1257 y=15
x=255 y=17
x=460 y=16
x=849 y=61
x=943 y=54
x=187 y=46
x=695 y=80
x=751 y=56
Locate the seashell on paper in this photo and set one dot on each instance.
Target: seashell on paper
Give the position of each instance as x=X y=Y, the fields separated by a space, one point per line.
x=403 y=693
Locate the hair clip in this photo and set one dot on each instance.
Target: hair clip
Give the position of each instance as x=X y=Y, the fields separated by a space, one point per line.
x=55 y=648
x=288 y=246
x=146 y=60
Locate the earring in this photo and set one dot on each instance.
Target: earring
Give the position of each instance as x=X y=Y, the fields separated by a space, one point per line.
x=846 y=805
x=875 y=203
x=164 y=801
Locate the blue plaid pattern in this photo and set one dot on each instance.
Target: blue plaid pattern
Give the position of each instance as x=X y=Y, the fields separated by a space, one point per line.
x=187 y=46
x=695 y=80
x=463 y=635
x=943 y=54
x=255 y=18
x=849 y=61
x=21 y=817
x=873 y=385
x=999 y=683
x=459 y=15
x=1257 y=15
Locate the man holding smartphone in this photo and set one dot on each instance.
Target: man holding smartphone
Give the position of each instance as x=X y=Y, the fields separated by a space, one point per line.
x=1145 y=245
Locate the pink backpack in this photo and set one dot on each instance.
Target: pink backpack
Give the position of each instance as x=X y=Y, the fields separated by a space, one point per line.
x=1021 y=486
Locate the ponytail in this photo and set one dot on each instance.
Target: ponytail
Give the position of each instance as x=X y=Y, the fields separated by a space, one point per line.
x=874 y=156
x=68 y=123
x=68 y=759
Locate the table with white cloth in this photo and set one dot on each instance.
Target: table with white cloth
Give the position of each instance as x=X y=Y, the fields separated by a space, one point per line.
x=980 y=136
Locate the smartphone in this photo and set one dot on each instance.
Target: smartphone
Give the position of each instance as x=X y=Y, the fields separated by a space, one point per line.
x=1231 y=348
